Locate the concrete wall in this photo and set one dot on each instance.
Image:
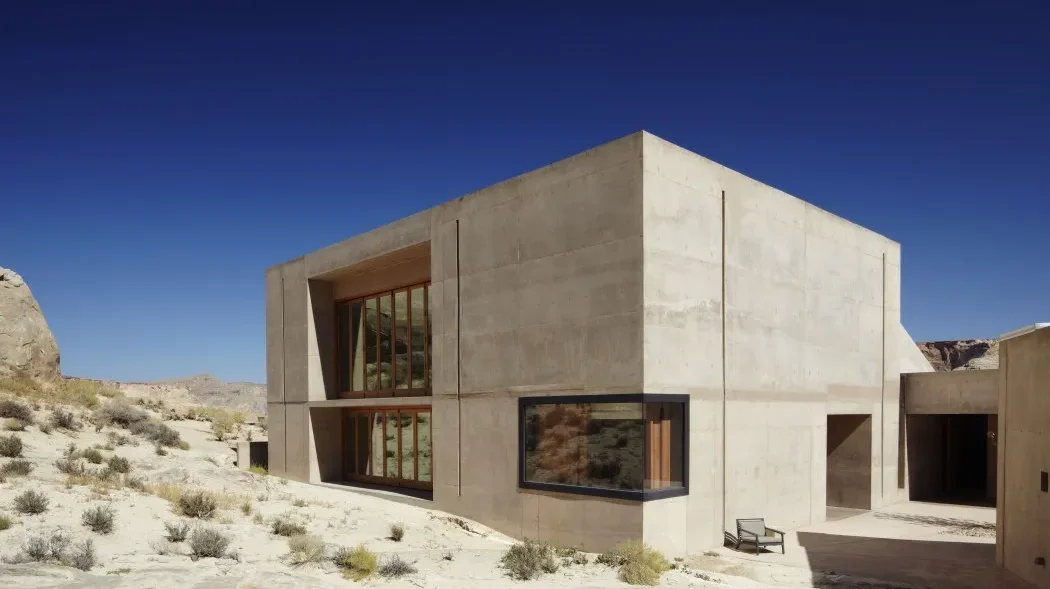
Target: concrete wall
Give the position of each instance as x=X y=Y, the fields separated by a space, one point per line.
x=849 y=461
x=951 y=393
x=1023 y=516
x=634 y=267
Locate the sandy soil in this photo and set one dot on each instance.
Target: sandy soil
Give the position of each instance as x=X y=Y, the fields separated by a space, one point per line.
x=128 y=557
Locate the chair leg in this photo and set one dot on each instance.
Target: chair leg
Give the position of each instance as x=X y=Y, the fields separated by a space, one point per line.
x=782 y=548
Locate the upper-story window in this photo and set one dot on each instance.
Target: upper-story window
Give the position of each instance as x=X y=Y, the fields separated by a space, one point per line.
x=383 y=344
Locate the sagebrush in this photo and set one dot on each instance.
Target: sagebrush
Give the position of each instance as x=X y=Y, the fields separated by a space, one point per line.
x=10 y=446
x=16 y=467
x=99 y=519
x=31 y=502
x=177 y=531
x=208 y=543
x=395 y=567
x=528 y=560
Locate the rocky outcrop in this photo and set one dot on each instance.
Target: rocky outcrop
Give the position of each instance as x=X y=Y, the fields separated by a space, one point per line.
x=970 y=354
x=27 y=345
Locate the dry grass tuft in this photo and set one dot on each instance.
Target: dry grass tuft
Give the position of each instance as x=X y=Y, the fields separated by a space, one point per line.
x=14 y=425
x=639 y=564
x=18 y=411
x=357 y=563
x=284 y=525
x=177 y=531
x=397 y=532
x=305 y=549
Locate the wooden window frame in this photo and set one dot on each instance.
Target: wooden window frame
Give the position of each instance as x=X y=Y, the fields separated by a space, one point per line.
x=644 y=494
x=427 y=389
x=351 y=464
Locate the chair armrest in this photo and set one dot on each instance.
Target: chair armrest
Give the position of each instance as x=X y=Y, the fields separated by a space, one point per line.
x=768 y=529
x=747 y=533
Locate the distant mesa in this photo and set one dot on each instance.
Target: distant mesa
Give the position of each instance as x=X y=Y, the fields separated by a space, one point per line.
x=968 y=354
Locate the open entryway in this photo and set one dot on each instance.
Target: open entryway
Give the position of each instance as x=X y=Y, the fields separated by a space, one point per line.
x=952 y=458
x=849 y=461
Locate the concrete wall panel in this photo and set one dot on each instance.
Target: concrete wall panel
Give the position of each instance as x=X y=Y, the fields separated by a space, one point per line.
x=320 y=342
x=389 y=238
x=275 y=435
x=949 y=393
x=300 y=457
x=274 y=335
x=296 y=332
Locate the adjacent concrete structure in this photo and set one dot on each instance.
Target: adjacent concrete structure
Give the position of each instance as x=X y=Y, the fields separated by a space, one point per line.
x=1023 y=512
x=636 y=269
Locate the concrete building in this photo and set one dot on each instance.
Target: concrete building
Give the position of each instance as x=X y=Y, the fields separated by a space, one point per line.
x=1023 y=510
x=634 y=342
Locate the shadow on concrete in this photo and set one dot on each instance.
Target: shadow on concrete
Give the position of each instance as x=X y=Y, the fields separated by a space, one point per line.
x=402 y=495
x=950 y=525
x=903 y=563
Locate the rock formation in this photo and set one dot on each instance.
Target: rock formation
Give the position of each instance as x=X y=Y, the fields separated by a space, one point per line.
x=26 y=343
x=970 y=354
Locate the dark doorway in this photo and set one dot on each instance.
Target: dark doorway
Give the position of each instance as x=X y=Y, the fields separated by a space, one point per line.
x=952 y=458
x=849 y=461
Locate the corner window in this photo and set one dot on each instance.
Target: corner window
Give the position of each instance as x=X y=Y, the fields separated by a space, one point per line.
x=626 y=446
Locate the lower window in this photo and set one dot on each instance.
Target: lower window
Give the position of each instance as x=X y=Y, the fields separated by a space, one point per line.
x=389 y=446
x=629 y=446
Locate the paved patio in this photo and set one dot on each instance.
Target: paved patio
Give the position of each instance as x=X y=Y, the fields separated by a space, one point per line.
x=909 y=544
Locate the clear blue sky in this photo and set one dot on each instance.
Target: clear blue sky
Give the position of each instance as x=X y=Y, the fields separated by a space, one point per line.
x=156 y=157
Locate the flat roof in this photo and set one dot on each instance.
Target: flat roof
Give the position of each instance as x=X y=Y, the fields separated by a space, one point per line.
x=1023 y=330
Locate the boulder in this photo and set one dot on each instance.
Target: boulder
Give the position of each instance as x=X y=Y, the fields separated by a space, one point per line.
x=27 y=345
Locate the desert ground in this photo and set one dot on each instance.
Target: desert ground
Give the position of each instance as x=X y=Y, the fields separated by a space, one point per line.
x=444 y=551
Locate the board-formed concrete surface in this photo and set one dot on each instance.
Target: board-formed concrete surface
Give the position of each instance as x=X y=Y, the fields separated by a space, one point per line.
x=634 y=267
x=952 y=393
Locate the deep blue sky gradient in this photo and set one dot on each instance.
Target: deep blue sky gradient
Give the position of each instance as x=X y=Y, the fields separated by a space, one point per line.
x=156 y=157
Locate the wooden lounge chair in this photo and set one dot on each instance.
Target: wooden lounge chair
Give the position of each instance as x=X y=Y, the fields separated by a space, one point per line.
x=754 y=530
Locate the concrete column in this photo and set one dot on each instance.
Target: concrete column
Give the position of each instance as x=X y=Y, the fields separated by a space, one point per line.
x=320 y=340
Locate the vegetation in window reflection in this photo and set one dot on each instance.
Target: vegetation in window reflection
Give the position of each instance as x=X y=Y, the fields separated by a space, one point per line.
x=596 y=445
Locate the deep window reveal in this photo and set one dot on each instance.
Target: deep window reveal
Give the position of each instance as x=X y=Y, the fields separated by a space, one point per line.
x=631 y=446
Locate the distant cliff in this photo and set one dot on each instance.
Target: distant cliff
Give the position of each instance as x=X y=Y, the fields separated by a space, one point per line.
x=968 y=354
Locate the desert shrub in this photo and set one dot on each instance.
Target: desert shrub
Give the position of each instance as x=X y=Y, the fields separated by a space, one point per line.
x=305 y=549
x=164 y=547
x=38 y=549
x=394 y=567
x=580 y=558
x=70 y=466
x=397 y=532
x=156 y=432
x=120 y=439
x=12 y=409
x=257 y=518
x=208 y=543
x=17 y=467
x=14 y=425
x=223 y=428
x=10 y=446
x=527 y=560
x=257 y=469
x=99 y=519
x=447 y=555
x=135 y=483
x=63 y=419
x=177 y=531
x=92 y=455
x=246 y=507
x=120 y=413
x=5 y=522
x=83 y=556
x=565 y=552
x=160 y=450
x=639 y=564
x=198 y=504
x=357 y=563
x=184 y=445
x=300 y=503
x=119 y=464
x=31 y=502
x=45 y=428
x=283 y=525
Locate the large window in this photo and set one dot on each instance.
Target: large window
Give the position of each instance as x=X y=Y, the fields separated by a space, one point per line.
x=629 y=446
x=383 y=344
x=389 y=446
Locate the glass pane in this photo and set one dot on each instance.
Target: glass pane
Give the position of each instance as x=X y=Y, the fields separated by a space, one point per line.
x=401 y=339
x=361 y=443
x=408 y=445
x=592 y=445
x=371 y=359
x=426 y=465
x=430 y=343
x=342 y=334
x=358 y=346
x=376 y=463
x=391 y=444
x=385 y=323
x=419 y=331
